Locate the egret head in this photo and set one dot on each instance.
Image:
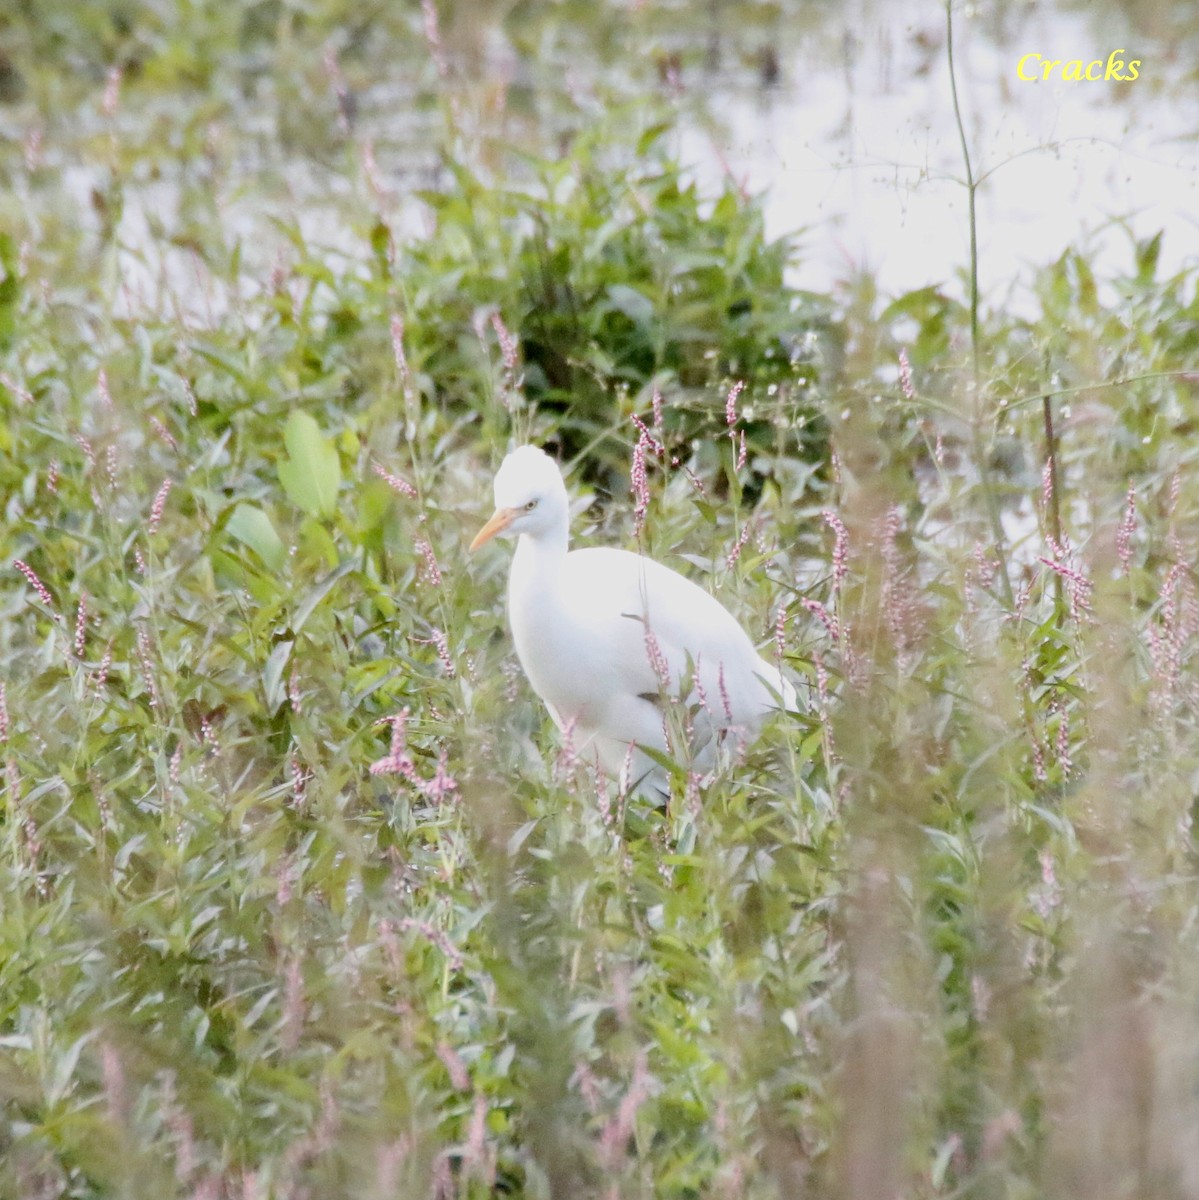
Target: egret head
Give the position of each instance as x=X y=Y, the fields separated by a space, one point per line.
x=530 y=497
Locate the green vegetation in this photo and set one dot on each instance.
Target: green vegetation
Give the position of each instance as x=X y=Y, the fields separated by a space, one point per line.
x=934 y=937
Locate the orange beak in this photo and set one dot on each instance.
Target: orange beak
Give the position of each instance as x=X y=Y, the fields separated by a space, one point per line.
x=500 y=520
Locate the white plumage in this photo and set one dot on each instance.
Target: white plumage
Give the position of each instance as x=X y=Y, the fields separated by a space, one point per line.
x=588 y=625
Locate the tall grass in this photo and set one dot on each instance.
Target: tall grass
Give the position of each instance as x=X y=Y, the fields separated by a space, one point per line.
x=300 y=894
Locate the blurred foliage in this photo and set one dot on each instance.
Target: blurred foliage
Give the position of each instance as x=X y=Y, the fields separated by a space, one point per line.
x=620 y=280
x=933 y=936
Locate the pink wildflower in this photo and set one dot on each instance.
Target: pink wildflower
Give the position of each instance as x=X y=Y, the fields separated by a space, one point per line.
x=397 y=761
x=394 y=481
x=33 y=149
x=831 y=625
x=443 y=785
x=430 y=572
x=905 y=376
x=147 y=666
x=840 y=547
x=730 y=403
x=100 y=678
x=22 y=394
x=299 y=781
x=646 y=437
x=725 y=702
x=112 y=92
x=735 y=553
x=433 y=37
x=102 y=389
x=508 y=348
x=156 y=509
x=374 y=178
x=1063 y=741
x=1047 y=483
x=640 y=487
x=88 y=452
x=456 y=1068
x=1128 y=527
x=35 y=583
x=164 y=433
x=657 y=660
x=585 y=1080
x=81 y=625
x=1038 y=761
x=615 y=1135
x=1078 y=586
x=438 y=938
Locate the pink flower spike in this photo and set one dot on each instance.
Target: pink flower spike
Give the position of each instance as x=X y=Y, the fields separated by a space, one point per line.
x=394 y=481
x=443 y=785
x=1047 y=484
x=397 y=761
x=81 y=626
x=112 y=92
x=22 y=394
x=100 y=678
x=147 y=665
x=657 y=660
x=640 y=487
x=430 y=572
x=157 y=507
x=35 y=583
x=726 y=703
x=822 y=614
x=102 y=389
x=88 y=452
x=1128 y=527
x=508 y=349
x=840 y=547
x=735 y=553
x=646 y=437
x=905 y=376
x=438 y=639
x=459 y=1076
x=164 y=433
x=730 y=403
x=433 y=37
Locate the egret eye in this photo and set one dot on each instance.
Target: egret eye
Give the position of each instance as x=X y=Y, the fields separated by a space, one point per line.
x=532 y=504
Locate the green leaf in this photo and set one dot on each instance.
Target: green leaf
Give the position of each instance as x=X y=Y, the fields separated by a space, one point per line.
x=272 y=675
x=312 y=473
x=253 y=528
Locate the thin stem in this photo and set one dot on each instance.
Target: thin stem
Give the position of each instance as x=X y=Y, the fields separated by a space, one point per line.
x=971 y=190
x=980 y=449
x=1055 y=505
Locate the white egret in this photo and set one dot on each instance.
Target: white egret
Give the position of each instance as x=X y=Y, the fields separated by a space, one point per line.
x=603 y=634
